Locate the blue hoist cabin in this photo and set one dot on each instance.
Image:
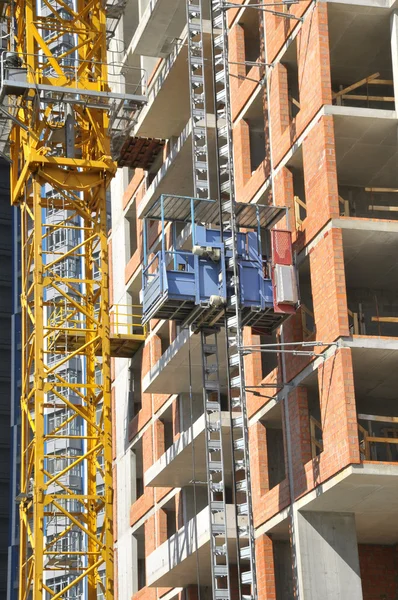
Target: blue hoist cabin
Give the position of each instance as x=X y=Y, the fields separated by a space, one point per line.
x=188 y=264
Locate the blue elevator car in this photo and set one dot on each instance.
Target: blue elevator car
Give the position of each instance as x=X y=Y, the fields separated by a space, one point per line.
x=187 y=272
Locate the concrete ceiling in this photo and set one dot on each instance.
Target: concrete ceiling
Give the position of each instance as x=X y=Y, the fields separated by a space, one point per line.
x=171 y=374
x=359 y=38
x=369 y=491
x=375 y=373
x=366 y=147
x=168 y=109
x=161 y=23
x=370 y=257
x=196 y=566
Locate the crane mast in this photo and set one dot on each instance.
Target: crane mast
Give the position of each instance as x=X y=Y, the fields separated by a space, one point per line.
x=58 y=103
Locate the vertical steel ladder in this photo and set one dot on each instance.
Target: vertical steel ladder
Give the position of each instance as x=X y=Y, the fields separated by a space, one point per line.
x=236 y=378
x=237 y=389
x=215 y=466
x=196 y=62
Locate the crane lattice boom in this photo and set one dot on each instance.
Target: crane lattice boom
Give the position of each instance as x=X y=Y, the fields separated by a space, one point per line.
x=61 y=167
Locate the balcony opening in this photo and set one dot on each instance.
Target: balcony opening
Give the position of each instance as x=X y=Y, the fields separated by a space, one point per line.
x=171 y=516
x=224 y=402
x=375 y=381
x=373 y=312
x=164 y=332
x=283 y=561
x=306 y=304
x=360 y=59
x=131 y=231
x=314 y=413
x=167 y=421
x=369 y=202
x=272 y=421
x=130 y=22
x=371 y=273
x=257 y=142
x=378 y=434
x=250 y=22
x=269 y=360
x=138 y=548
x=138 y=469
x=134 y=389
x=290 y=62
x=154 y=168
x=171 y=522
x=254 y=117
x=185 y=409
x=296 y=167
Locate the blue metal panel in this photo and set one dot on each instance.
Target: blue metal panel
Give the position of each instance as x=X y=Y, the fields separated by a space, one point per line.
x=208 y=279
x=268 y=292
x=213 y=237
x=207 y=237
x=241 y=245
x=252 y=247
x=181 y=285
x=256 y=291
x=250 y=283
x=151 y=291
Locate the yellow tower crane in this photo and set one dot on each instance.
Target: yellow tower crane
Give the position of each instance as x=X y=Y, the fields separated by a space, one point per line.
x=61 y=110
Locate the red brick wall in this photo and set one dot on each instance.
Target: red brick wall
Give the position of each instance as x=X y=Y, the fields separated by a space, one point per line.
x=321 y=189
x=266 y=502
x=278 y=28
x=313 y=79
x=265 y=568
x=133 y=186
x=379 y=571
x=300 y=436
x=329 y=287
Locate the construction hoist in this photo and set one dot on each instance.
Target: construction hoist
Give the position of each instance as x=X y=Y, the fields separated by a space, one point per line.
x=58 y=112
x=216 y=475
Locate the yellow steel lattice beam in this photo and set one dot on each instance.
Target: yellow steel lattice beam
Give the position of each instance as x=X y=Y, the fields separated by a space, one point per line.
x=78 y=181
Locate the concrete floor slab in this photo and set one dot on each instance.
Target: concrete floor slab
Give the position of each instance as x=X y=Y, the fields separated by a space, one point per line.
x=175 y=467
x=172 y=375
x=159 y=26
x=185 y=556
x=368 y=490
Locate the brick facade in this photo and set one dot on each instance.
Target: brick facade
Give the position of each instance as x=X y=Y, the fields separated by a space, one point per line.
x=298 y=390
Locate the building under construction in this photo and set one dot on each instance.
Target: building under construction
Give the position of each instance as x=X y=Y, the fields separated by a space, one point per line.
x=207 y=330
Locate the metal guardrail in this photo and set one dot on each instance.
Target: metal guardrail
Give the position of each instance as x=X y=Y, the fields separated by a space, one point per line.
x=368 y=441
x=114 y=77
x=125 y=319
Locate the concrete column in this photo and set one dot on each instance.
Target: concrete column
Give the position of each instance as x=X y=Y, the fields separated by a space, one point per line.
x=327 y=556
x=394 y=53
